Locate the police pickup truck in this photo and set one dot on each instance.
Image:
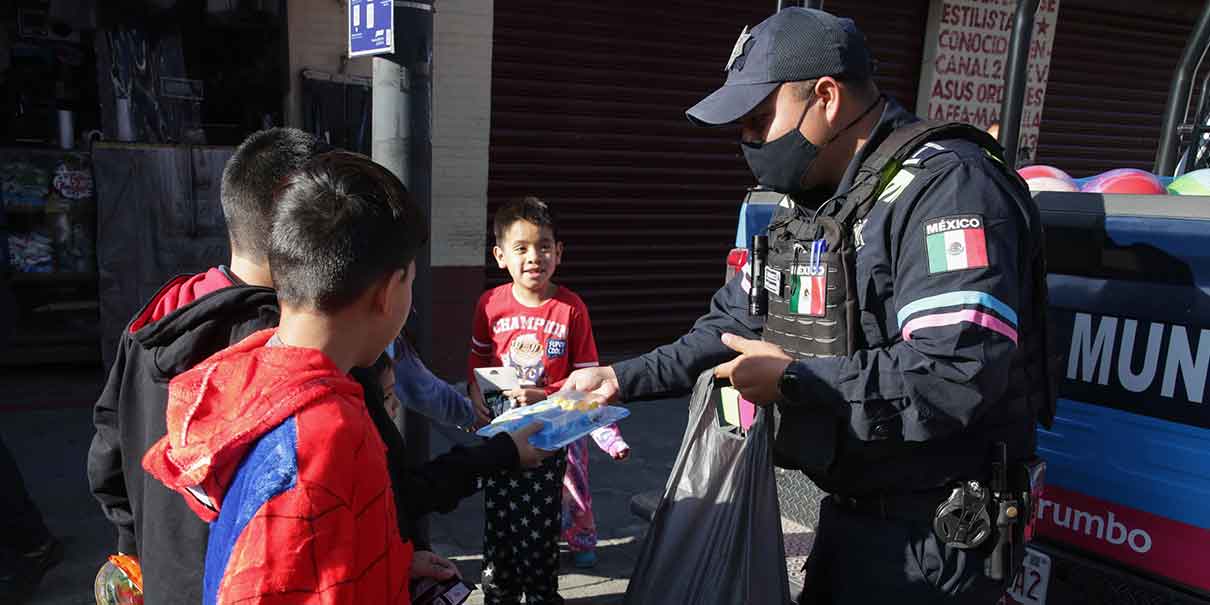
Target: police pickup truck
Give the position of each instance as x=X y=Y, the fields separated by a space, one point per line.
x=1125 y=516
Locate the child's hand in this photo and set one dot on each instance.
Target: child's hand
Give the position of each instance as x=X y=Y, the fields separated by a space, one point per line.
x=393 y=406
x=526 y=396
x=528 y=455
x=426 y=564
x=483 y=416
x=621 y=453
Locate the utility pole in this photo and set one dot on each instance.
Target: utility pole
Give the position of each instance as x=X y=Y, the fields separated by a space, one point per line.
x=402 y=126
x=402 y=141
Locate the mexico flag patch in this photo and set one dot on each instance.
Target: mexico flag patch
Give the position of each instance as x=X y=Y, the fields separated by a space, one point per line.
x=809 y=290
x=955 y=242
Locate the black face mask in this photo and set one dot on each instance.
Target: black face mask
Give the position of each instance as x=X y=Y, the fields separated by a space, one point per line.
x=781 y=164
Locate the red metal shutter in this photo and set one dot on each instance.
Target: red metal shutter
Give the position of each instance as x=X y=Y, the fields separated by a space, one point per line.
x=1109 y=75
x=588 y=102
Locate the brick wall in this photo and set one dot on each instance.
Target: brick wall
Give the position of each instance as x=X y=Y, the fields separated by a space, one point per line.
x=462 y=77
x=462 y=71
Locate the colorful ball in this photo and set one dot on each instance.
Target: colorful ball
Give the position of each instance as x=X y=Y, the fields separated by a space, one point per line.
x=1043 y=171
x=1124 y=180
x=1047 y=178
x=1046 y=183
x=1193 y=183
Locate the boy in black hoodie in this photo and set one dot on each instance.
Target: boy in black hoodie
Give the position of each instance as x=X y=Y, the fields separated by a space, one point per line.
x=193 y=317
x=189 y=319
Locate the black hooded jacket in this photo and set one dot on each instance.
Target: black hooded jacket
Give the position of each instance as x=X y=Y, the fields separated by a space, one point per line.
x=153 y=521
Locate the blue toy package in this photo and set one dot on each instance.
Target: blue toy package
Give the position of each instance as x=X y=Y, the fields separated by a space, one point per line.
x=566 y=417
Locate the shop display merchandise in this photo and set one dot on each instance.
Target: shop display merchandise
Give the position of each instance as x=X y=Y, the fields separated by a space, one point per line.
x=49 y=207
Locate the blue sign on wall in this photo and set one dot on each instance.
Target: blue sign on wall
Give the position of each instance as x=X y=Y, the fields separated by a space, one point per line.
x=370 y=27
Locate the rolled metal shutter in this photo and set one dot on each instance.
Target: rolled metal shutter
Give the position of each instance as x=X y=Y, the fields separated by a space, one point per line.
x=1109 y=75
x=588 y=102
x=894 y=32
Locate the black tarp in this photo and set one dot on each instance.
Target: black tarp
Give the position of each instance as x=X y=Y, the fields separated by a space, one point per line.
x=158 y=215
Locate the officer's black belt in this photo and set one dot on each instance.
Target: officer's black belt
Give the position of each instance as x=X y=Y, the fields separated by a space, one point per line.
x=905 y=506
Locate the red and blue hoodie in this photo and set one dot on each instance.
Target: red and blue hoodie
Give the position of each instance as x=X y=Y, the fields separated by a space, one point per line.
x=273 y=446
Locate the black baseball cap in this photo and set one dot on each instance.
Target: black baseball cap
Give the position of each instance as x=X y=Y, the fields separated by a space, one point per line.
x=793 y=45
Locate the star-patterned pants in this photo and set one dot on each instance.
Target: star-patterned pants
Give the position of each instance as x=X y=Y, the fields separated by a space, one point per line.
x=521 y=534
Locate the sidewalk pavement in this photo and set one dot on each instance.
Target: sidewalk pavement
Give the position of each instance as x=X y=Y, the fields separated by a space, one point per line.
x=46 y=421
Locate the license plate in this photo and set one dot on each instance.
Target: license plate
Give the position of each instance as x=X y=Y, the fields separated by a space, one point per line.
x=1031 y=584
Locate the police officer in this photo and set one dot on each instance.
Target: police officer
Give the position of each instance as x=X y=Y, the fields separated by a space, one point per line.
x=904 y=343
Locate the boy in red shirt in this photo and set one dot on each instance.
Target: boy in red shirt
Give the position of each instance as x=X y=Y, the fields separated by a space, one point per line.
x=543 y=331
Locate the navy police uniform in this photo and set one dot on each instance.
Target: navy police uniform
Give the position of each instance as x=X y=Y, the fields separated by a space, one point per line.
x=919 y=340
x=938 y=359
x=937 y=374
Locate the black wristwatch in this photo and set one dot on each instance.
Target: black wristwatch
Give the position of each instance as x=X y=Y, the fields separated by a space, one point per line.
x=790 y=385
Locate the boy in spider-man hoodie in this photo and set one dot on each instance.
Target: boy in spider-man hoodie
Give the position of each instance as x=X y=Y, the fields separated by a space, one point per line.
x=269 y=440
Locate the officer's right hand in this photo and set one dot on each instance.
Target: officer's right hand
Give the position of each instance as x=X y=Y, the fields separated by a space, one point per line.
x=528 y=456
x=601 y=381
x=757 y=371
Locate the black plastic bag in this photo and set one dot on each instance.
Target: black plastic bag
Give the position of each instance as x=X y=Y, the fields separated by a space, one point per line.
x=716 y=534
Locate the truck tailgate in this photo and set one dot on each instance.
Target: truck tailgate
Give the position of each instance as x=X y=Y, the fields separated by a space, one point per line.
x=1129 y=453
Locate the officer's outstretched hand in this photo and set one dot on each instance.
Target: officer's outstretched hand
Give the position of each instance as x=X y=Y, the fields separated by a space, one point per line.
x=600 y=382
x=758 y=369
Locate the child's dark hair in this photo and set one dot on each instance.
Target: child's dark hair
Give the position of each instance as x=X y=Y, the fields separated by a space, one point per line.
x=529 y=209
x=254 y=171
x=342 y=222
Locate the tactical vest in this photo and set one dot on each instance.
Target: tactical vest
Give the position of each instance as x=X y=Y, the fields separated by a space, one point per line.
x=811 y=276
